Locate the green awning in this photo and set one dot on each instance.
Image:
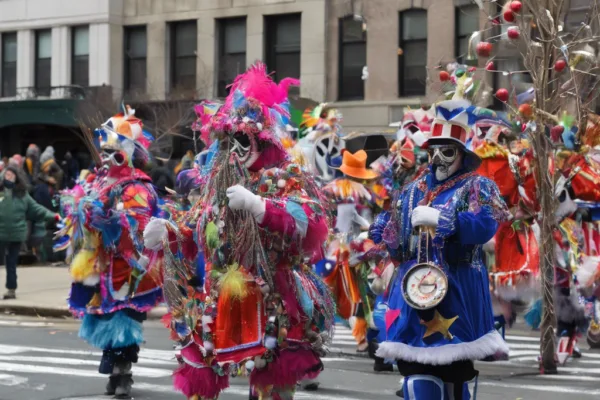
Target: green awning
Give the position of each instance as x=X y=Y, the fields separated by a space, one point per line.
x=38 y=112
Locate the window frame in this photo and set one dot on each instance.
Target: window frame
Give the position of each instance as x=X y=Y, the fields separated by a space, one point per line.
x=341 y=42
x=74 y=56
x=271 y=39
x=174 y=57
x=128 y=59
x=42 y=90
x=221 y=54
x=401 y=57
x=3 y=66
x=458 y=10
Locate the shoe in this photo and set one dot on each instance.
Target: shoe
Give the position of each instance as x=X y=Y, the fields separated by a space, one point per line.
x=577 y=353
x=123 y=390
x=10 y=294
x=310 y=385
x=383 y=367
x=111 y=386
x=363 y=347
x=400 y=393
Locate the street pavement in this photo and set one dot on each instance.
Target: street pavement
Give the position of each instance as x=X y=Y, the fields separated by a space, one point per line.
x=42 y=359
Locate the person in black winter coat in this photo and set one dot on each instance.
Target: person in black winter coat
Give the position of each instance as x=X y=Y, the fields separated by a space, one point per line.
x=162 y=179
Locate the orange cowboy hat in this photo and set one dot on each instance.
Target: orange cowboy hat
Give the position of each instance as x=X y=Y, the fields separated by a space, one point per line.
x=355 y=165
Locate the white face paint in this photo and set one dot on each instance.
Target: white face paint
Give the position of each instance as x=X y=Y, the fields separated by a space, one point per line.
x=446 y=159
x=566 y=205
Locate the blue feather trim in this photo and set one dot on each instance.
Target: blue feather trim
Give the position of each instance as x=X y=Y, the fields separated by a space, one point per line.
x=305 y=300
x=111 y=333
x=296 y=211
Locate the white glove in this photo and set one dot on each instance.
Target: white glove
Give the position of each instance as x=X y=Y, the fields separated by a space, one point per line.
x=425 y=216
x=241 y=198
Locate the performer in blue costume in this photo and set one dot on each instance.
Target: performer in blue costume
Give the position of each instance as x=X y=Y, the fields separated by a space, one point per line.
x=440 y=315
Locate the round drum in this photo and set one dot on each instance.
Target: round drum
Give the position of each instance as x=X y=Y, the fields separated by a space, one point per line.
x=424 y=286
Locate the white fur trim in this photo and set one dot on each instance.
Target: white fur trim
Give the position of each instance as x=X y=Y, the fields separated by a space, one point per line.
x=487 y=345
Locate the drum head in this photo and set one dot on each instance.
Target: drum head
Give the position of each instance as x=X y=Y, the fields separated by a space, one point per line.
x=424 y=286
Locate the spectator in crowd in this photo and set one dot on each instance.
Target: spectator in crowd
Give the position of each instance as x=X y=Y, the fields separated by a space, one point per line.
x=16 y=207
x=49 y=166
x=32 y=162
x=16 y=160
x=162 y=178
x=40 y=239
x=70 y=167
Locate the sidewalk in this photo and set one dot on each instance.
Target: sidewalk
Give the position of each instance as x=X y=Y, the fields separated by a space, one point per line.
x=43 y=292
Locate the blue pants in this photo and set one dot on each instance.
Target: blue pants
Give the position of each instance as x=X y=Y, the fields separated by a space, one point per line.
x=10 y=253
x=427 y=387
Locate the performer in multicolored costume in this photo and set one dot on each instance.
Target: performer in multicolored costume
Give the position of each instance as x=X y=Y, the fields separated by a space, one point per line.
x=115 y=283
x=256 y=306
x=348 y=275
x=433 y=332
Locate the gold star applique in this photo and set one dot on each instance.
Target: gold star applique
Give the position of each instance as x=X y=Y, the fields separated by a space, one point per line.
x=439 y=324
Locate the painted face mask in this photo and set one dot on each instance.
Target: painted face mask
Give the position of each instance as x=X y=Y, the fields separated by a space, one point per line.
x=446 y=160
x=244 y=148
x=112 y=158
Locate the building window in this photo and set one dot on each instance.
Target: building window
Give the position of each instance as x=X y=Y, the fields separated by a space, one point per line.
x=9 y=65
x=184 y=45
x=80 y=56
x=43 y=62
x=412 y=63
x=467 y=22
x=135 y=59
x=232 y=52
x=283 y=45
x=352 y=59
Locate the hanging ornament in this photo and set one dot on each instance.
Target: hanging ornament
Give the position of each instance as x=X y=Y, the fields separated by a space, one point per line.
x=560 y=65
x=508 y=16
x=513 y=33
x=515 y=6
x=490 y=66
x=444 y=76
x=525 y=110
x=502 y=95
x=484 y=49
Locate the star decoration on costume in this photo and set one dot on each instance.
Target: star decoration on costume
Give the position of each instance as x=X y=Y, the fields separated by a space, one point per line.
x=439 y=324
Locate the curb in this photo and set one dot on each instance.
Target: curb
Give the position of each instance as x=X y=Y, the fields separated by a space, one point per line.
x=49 y=312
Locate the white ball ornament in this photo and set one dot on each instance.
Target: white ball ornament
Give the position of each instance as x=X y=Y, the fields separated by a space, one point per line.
x=270 y=342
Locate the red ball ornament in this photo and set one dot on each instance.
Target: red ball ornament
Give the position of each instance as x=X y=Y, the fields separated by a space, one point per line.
x=472 y=69
x=516 y=6
x=490 y=66
x=513 y=32
x=444 y=76
x=525 y=110
x=484 y=49
x=502 y=95
x=560 y=65
x=509 y=16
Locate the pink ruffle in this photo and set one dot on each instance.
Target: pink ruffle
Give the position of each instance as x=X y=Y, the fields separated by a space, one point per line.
x=289 y=367
x=203 y=382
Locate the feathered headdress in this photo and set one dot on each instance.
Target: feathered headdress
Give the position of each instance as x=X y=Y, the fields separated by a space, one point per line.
x=256 y=106
x=320 y=119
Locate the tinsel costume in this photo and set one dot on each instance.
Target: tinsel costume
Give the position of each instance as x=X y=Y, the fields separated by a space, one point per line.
x=256 y=306
x=442 y=342
x=114 y=281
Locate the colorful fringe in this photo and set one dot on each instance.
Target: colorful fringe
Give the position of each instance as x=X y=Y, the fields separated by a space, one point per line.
x=111 y=332
x=201 y=382
x=288 y=367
